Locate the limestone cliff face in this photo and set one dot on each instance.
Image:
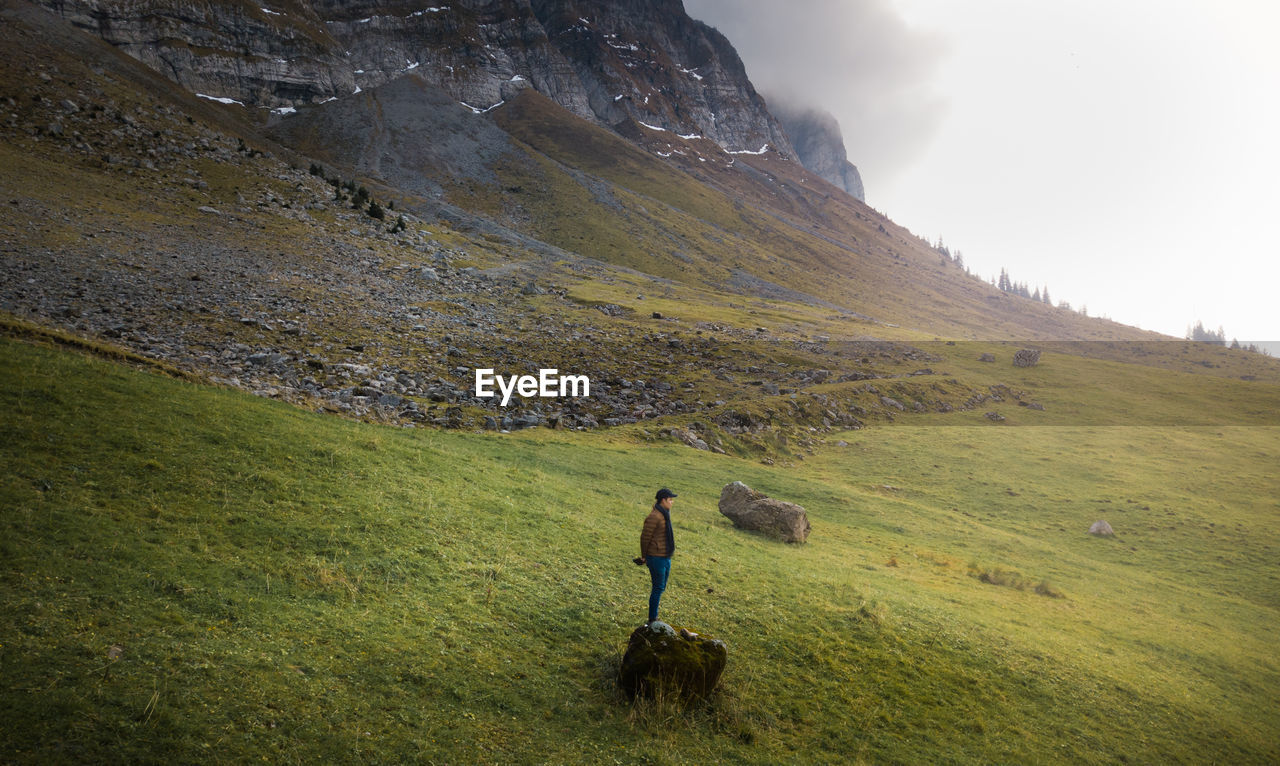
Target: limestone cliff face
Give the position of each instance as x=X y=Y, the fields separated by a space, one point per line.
x=240 y=50
x=819 y=145
x=647 y=60
x=605 y=60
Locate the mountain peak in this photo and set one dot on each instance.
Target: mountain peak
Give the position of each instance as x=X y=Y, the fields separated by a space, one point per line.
x=819 y=144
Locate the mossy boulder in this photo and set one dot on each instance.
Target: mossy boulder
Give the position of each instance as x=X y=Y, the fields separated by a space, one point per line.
x=662 y=661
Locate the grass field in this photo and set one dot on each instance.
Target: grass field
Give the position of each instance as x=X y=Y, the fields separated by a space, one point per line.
x=192 y=574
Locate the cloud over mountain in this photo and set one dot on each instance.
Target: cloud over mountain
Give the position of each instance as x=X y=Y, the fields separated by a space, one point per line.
x=858 y=60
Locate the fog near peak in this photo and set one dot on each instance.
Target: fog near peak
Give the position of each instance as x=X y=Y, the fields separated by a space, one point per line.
x=856 y=59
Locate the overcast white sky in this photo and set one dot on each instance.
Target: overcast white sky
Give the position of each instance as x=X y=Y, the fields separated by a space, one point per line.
x=1123 y=153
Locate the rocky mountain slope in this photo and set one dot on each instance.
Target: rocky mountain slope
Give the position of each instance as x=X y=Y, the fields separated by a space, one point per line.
x=365 y=256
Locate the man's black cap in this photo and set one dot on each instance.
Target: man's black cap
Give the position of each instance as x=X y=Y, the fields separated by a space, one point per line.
x=665 y=493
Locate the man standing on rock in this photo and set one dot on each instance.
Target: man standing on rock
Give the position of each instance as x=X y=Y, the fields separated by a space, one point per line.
x=657 y=544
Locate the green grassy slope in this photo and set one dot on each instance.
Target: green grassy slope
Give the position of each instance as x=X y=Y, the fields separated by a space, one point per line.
x=773 y=219
x=194 y=574
x=723 y=224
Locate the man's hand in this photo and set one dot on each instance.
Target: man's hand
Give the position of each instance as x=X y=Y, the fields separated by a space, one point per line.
x=638 y=560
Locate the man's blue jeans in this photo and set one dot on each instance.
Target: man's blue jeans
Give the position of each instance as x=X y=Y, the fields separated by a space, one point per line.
x=659 y=570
